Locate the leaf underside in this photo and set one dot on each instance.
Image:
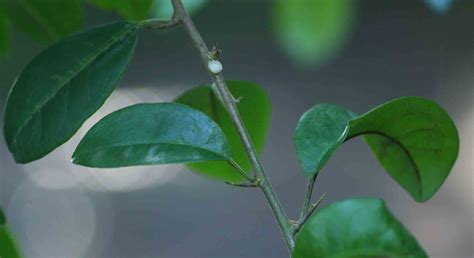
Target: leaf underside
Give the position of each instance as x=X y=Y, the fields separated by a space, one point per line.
x=63 y=86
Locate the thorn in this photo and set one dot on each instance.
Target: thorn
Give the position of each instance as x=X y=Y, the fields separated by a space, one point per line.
x=215 y=53
x=237 y=100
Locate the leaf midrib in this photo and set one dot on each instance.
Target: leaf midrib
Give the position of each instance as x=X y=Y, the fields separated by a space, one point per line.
x=81 y=67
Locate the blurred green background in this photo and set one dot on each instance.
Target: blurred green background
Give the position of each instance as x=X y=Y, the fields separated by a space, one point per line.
x=356 y=54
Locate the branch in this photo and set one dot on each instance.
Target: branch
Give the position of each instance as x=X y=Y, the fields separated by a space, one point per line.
x=229 y=102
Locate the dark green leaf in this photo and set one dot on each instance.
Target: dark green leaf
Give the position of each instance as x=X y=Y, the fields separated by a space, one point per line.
x=313 y=31
x=63 y=86
x=151 y=134
x=356 y=228
x=45 y=20
x=413 y=138
x=164 y=9
x=130 y=9
x=4 y=37
x=3 y=219
x=255 y=109
x=320 y=131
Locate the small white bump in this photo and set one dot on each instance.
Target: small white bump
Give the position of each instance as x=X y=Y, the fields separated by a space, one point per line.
x=214 y=66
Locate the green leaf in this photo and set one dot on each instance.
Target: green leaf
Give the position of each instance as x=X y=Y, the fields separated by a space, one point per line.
x=130 y=9
x=3 y=219
x=164 y=9
x=320 y=131
x=413 y=138
x=63 y=86
x=151 y=134
x=4 y=37
x=255 y=109
x=313 y=31
x=356 y=228
x=8 y=248
x=45 y=20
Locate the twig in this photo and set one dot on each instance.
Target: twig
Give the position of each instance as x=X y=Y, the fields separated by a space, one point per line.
x=160 y=24
x=222 y=90
x=301 y=221
x=245 y=184
x=240 y=170
x=307 y=198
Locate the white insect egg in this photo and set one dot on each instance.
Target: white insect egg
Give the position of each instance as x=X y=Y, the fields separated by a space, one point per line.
x=214 y=66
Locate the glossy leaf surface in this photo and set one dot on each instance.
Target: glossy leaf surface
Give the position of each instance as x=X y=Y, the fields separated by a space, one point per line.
x=8 y=248
x=151 y=134
x=413 y=138
x=356 y=228
x=45 y=20
x=255 y=109
x=130 y=9
x=313 y=31
x=63 y=86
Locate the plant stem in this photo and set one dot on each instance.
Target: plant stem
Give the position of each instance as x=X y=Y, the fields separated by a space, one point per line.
x=230 y=104
x=239 y=169
x=307 y=198
x=302 y=220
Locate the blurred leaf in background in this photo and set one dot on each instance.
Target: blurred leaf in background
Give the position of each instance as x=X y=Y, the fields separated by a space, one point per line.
x=164 y=9
x=4 y=44
x=313 y=31
x=255 y=109
x=130 y=9
x=440 y=6
x=8 y=248
x=44 y=20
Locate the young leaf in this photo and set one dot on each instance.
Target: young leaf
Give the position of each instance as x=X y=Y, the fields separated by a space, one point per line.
x=313 y=31
x=151 y=134
x=413 y=138
x=255 y=109
x=45 y=21
x=356 y=228
x=130 y=9
x=8 y=248
x=4 y=37
x=63 y=86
